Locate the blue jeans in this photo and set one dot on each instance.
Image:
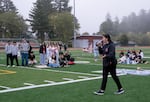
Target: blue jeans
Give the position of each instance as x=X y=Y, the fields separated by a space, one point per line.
x=24 y=57
x=53 y=65
x=42 y=59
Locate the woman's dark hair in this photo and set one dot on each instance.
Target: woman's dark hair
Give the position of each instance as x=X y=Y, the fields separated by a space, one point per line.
x=108 y=37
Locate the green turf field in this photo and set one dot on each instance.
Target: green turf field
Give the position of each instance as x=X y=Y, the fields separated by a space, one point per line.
x=75 y=83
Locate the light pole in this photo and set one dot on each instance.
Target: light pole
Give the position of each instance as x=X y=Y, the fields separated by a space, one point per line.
x=74 y=13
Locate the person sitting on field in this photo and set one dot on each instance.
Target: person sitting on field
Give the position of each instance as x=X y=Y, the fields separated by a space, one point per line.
x=68 y=58
x=122 y=59
x=52 y=62
x=32 y=59
x=140 y=53
x=62 y=61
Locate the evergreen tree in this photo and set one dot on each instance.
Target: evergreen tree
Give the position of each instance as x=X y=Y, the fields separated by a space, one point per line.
x=62 y=5
x=63 y=26
x=42 y=14
x=11 y=24
x=123 y=40
x=107 y=26
x=39 y=18
x=7 y=6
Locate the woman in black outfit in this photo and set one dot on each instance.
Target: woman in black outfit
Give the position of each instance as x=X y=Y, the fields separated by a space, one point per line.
x=107 y=51
x=42 y=52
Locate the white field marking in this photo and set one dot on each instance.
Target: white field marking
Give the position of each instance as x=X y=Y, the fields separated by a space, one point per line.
x=81 y=62
x=69 y=72
x=2 y=65
x=89 y=63
x=147 y=57
x=53 y=84
x=118 y=71
x=84 y=77
x=99 y=71
x=47 y=81
x=123 y=66
x=29 y=84
x=41 y=66
x=75 y=72
x=5 y=87
x=45 y=85
x=68 y=79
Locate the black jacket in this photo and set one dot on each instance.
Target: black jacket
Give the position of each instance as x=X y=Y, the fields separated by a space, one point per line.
x=42 y=47
x=109 y=51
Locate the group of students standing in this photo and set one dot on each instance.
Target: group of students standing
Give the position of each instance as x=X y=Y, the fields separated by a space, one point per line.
x=51 y=54
x=13 y=50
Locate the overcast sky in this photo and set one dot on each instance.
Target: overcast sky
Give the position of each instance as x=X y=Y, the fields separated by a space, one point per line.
x=91 y=13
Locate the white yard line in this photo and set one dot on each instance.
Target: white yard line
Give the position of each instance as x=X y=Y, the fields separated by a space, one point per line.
x=69 y=72
x=119 y=65
x=45 y=85
x=95 y=76
x=147 y=57
x=98 y=71
x=2 y=65
x=29 y=84
x=52 y=84
x=68 y=79
x=5 y=87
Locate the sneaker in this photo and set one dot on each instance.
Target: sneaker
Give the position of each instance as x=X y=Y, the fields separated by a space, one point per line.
x=99 y=93
x=8 y=66
x=121 y=91
x=13 y=65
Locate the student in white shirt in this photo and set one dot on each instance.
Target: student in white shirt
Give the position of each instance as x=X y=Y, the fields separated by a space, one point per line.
x=15 y=53
x=8 y=51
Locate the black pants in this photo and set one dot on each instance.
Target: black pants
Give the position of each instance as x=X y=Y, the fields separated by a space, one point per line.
x=9 y=59
x=15 y=57
x=112 y=70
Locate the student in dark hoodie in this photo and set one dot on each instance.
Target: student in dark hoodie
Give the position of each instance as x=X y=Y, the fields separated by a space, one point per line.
x=107 y=52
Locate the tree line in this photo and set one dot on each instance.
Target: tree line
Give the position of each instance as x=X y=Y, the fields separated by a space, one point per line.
x=11 y=23
x=49 y=20
x=135 y=27
x=53 y=19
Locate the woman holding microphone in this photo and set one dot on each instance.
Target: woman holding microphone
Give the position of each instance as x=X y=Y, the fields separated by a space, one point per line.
x=107 y=52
